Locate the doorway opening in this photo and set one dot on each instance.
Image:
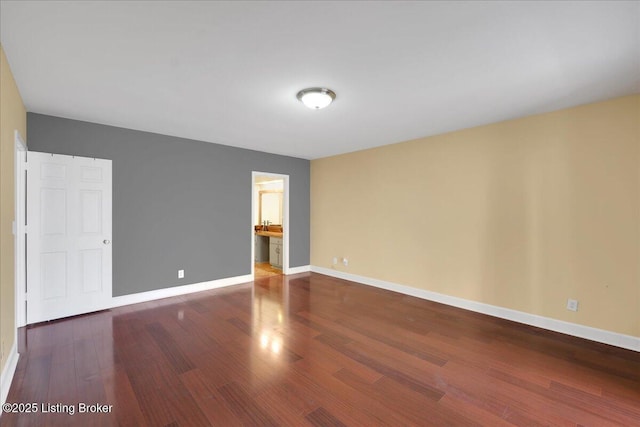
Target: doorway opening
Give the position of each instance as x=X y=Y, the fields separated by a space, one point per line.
x=269 y=224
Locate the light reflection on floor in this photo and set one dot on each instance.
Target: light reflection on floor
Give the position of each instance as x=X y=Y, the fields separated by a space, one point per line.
x=264 y=269
x=269 y=315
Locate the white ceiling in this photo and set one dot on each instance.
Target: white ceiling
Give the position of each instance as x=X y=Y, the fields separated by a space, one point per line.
x=228 y=72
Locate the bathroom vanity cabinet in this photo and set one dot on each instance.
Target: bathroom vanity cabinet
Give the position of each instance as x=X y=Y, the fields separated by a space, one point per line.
x=275 y=251
x=261 y=248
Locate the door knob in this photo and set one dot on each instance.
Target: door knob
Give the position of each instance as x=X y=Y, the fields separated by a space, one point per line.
x=106 y=242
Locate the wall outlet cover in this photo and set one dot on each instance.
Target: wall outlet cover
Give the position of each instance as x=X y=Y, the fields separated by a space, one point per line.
x=572 y=304
x=180 y=274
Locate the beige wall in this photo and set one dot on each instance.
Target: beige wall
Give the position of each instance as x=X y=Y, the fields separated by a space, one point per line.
x=12 y=116
x=521 y=214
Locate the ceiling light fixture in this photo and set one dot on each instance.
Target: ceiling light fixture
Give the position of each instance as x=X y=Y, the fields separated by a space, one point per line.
x=316 y=97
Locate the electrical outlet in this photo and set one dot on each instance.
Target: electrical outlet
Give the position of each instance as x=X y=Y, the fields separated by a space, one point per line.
x=572 y=304
x=180 y=274
x=335 y=260
x=345 y=262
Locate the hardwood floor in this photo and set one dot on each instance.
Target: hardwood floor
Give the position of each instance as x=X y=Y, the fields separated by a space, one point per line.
x=311 y=350
x=264 y=269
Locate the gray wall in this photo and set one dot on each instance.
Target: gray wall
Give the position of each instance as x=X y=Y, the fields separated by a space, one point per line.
x=177 y=203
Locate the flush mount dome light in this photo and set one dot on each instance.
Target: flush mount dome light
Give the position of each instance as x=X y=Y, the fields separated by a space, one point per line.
x=316 y=97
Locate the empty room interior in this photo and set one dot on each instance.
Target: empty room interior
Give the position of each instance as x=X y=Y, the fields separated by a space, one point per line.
x=320 y=213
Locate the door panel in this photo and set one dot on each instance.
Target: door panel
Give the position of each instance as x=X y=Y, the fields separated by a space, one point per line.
x=91 y=268
x=68 y=235
x=91 y=211
x=54 y=275
x=90 y=174
x=53 y=201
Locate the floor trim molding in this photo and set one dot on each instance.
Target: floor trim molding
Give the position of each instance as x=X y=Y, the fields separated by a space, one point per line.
x=594 y=334
x=301 y=269
x=189 y=289
x=178 y=290
x=7 y=373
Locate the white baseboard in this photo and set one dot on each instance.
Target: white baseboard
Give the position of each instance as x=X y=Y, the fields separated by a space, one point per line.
x=594 y=334
x=178 y=290
x=173 y=291
x=8 y=372
x=301 y=269
x=188 y=289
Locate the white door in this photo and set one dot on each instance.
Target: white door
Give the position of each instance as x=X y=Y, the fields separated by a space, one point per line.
x=68 y=235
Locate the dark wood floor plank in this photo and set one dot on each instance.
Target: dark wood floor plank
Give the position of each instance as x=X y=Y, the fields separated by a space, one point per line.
x=106 y=351
x=315 y=350
x=63 y=354
x=36 y=380
x=185 y=408
x=189 y=338
x=221 y=367
x=363 y=356
x=152 y=394
x=377 y=338
x=594 y=403
x=323 y=418
x=514 y=399
x=209 y=399
x=209 y=324
x=477 y=413
x=286 y=403
x=421 y=409
x=121 y=395
x=242 y=360
x=241 y=325
x=392 y=353
x=396 y=341
x=329 y=360
x=62 y=385
x=170 y=349
x=244 y=407
x=262 y=366
x=365 y=410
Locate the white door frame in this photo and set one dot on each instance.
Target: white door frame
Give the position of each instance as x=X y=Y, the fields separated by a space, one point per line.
x=19 y=231
x=285 y=218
